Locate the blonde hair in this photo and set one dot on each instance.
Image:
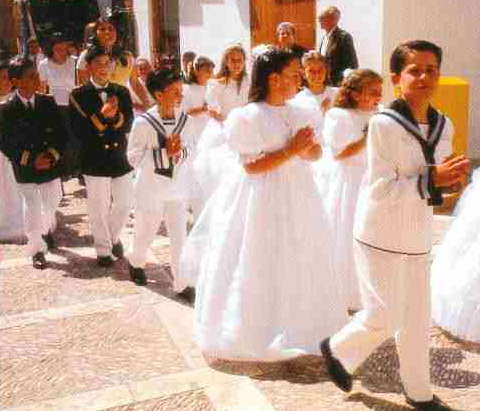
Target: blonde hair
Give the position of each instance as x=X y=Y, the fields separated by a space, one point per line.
x=224 y=72
x=355 y=82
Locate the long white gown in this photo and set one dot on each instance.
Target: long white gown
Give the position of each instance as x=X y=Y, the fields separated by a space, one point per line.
x=11 y=202
x=343 y=127
x=456 y=270
x=266 y=290
x=214 y=157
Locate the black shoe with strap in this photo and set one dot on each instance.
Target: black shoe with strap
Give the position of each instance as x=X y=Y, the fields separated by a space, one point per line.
x=137 y=275
x=39 y=261
x=337 y=372
x=436 y=404
x=48 y=238
x=117 y=249
x=104 y=261
x=187 y=294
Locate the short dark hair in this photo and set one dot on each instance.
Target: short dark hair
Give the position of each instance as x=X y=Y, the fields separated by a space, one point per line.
x=399 y=55
x=55 y=38
x=271 y=61
x=18 y=65
x=95 y=51
x=159 y=80
x=198 y=63
x=190 y=55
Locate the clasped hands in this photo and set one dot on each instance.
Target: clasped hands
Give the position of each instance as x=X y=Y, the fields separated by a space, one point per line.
x=174 y=147
x=44 y=161
x=110 y=107
x=301 y=142
x=451 y=171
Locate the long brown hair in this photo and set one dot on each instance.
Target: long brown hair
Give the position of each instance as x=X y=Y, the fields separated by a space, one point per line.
x=224 y=72
x=354 y=82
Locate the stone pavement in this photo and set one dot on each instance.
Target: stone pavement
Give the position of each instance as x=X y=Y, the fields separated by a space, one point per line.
x=80 y=338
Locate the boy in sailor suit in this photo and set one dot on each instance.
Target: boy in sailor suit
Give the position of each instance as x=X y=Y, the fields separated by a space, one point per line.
x=159 y=143
x=407 y=171
x=101 y=115
x=32 y=137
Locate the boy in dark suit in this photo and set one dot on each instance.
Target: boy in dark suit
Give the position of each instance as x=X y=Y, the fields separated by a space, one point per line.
x=32 y=136
x=101 y=115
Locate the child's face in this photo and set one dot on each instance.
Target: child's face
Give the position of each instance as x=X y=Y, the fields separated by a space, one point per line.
x=171 y=95
x=143 y=68
x=60 y=50
x=315 y=73
x=29 y=83
x=100 y=68
x=5 y=85
x=419 y=77
x=288 y=84
x=370 y=96
x=235 y=63
x=204 y=73
x=106 y=34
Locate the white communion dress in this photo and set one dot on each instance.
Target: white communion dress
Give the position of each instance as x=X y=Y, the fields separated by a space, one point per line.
x=214 y=156
x=343 y=127
x=266 y=289
x=11 y=202
x=456 y=270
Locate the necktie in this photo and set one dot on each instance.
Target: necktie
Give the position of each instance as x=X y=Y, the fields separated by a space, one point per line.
x=29 y=106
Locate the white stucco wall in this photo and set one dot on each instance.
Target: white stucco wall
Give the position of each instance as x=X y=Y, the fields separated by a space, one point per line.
x=363 y=19
x=207 y=26
x=142 y=16
x=451 y=24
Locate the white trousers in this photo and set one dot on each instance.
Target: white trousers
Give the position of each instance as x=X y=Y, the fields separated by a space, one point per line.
x=109 y=201
x=395 y=290
x=41 y=203
x=146 y=226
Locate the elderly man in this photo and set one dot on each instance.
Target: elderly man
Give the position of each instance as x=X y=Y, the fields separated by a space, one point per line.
x=286 y=36
x=336 y=45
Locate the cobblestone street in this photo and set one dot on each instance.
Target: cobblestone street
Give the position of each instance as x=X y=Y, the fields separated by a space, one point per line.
x=78 y=337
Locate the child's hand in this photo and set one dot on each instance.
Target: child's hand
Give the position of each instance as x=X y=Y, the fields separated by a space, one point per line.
x=216 y=114
x=110 y=108
x=451 y=171
x=325 y=105
x=43 y=162
x=174 y=145
x=302 y=141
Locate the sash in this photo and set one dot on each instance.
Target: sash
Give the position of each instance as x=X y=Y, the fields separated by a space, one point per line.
x=401 y=113
x=164 y=165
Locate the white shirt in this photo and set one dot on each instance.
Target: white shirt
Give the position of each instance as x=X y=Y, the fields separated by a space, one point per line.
x=103 y=94
x=325 y=41
x=227 y=97
x=59 y=77
x=26 y=101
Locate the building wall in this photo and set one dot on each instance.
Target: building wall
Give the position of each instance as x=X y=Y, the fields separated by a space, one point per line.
x=207 y=26
x=8 y=29
x=363 y=19
x=143 y=16
x=452 y=24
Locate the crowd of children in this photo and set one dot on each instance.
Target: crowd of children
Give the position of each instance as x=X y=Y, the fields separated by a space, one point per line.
x=308 y=200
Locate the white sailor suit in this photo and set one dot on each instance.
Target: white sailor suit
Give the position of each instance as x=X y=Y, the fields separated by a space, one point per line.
x=392 y=241
x=162 y=186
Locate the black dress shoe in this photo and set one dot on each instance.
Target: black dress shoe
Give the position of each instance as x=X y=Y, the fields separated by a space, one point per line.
x=39 y=261
x=137 y=275
x=104 y=261
x=436 y=404
x=188 y=294
x=117 y=249
x=337 y=372
x=48 y=238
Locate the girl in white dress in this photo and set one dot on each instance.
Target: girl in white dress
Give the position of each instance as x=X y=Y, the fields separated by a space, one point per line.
x=11 y=202
x=456 y=270
x=227 y=91
x=345 y=132
x=195 y=106
x=266 y=288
